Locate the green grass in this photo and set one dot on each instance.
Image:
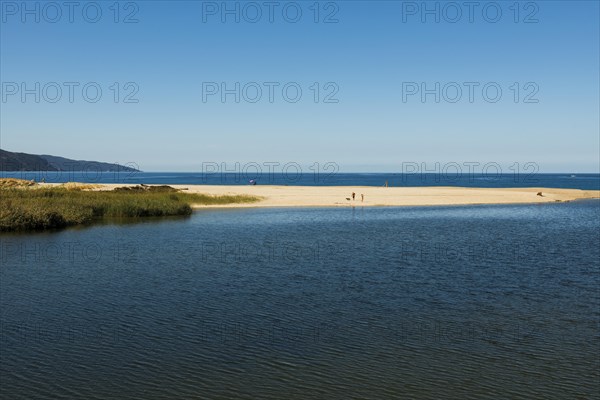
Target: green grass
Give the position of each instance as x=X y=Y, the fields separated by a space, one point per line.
x=55 y=208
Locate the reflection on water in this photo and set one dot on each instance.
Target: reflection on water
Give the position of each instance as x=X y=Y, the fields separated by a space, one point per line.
x=436 y=302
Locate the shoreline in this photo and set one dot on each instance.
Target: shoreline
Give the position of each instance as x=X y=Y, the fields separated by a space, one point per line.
x=337 y=196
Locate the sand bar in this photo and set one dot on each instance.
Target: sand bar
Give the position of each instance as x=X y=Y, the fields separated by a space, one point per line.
x=336 y=196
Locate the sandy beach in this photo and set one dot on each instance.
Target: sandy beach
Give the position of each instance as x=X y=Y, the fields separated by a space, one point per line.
x=337 y=196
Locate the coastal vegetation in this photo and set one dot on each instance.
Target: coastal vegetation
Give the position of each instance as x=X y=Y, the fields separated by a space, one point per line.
x=26 y=207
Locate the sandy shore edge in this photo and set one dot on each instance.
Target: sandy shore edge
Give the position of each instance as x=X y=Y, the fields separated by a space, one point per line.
x=341 y=196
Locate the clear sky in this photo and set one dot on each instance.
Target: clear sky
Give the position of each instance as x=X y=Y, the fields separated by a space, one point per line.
x=372 y=57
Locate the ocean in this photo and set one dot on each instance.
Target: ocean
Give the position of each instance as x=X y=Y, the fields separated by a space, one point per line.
x=465 y=302
x=309 y=178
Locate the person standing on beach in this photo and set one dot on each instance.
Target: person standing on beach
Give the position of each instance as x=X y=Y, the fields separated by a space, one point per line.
x=353 y=195
x=362 y=197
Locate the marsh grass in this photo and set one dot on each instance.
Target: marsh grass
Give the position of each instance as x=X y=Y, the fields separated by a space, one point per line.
x=6 y=183
x=55 y=208
x=79 y=186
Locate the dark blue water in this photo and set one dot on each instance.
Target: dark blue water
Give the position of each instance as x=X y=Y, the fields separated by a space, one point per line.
x=309 y=178
x=436 y=302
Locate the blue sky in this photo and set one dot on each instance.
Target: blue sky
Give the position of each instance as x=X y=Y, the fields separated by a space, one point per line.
x=371 y=57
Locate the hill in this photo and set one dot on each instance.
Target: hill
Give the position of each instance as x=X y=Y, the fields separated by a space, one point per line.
x=10 y=161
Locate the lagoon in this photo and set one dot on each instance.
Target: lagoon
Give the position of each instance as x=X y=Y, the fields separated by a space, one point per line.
x=443 y=302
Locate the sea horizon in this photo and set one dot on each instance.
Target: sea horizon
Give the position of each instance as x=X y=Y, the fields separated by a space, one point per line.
x=566 y=180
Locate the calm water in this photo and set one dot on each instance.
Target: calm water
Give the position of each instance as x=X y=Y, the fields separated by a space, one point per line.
x=435 y=302
x=447 y=177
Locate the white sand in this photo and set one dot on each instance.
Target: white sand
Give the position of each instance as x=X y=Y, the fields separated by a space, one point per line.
x=332 y=196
